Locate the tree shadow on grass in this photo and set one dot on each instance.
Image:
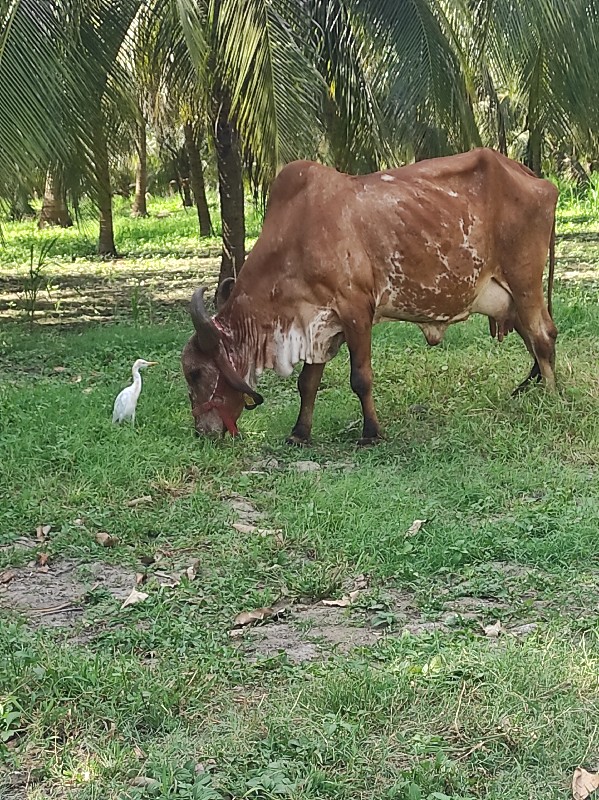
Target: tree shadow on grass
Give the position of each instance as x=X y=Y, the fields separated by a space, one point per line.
x=97 y=295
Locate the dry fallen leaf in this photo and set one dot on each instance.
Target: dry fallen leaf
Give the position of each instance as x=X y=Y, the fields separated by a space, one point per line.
x=60 y=369
x=89 y=390
x=192 y=570
x=138 y=501
x=343 y=602
x=6 y=577
x=140 y=577
x=250 y=617
x=42 y=559
x=169 y=580
x=78 y=522
x=584 y=783
x=242 y=527
x=134 y=597
x=495 y=630
x=105 y=539
x=76 y=379
x=42 y=531
x=415 y=527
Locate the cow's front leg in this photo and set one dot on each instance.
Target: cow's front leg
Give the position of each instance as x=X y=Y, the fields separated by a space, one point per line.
x=307 y=384
x=359 y=345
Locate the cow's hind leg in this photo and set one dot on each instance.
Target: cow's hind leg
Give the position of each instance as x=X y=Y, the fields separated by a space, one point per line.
x=538 y=330
x=307 y=384
x=359 y=346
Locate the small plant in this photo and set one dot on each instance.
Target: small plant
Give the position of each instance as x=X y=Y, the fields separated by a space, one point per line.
x=10 y=718
x=35 y=278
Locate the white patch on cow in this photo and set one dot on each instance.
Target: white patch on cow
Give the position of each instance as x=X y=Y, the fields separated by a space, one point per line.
x=467 y=245
x=310 y=342
x=386 y=177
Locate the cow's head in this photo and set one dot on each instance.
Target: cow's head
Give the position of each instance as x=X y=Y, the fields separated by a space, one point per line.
x=217 y=393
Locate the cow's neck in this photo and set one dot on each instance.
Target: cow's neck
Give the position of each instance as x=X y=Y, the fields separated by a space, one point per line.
x=243 y=343
x=280 y=340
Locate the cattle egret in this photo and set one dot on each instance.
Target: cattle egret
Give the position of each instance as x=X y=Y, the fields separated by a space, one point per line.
x=126 y=402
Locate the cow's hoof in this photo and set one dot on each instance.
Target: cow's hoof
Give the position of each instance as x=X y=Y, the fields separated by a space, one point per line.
x=297 y=441
x=369 y=441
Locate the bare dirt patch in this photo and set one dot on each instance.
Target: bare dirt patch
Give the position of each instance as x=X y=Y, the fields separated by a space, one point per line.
x=56 y=598
x=310 y=632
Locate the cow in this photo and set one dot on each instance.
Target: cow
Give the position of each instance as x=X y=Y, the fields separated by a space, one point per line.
x=428 y=243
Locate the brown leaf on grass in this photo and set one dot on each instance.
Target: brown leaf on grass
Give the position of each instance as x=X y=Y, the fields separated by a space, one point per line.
x=251 y=617
x=134 y=598
x=60 y=369
x=494 y=631
x=6 y=577
x=192 y=570
x=361 y=582
x=42 y=531
x=105 y=539
x=42 y=559
x=415 y=527
x=76 y=379
x=138 y=501
x=343 y=602
x=584 y=783
x=242 y=527
x=140 y=577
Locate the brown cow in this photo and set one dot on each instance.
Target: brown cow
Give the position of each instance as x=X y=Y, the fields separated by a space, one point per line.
x=430 y=243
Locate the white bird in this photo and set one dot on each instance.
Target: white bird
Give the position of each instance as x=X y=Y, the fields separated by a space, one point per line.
x=126 y=402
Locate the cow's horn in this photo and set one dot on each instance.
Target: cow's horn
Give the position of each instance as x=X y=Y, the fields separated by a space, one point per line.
x=208 y=337
x=235 y=381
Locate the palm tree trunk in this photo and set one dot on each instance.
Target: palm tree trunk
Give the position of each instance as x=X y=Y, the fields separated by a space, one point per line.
x=139 y=208
x=534 y=151
x=230 y=189
x=106 y=246
x=54 y=207
x=196 y=177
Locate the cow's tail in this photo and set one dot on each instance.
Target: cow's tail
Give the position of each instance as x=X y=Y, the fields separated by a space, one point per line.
x=551 y=270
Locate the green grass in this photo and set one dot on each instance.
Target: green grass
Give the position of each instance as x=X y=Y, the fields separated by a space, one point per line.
x=160 y=690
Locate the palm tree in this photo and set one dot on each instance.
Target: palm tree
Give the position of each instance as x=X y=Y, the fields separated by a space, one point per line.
x=354 y=83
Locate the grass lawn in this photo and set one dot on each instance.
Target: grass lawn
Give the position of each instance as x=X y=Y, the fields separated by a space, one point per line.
x=404 y=690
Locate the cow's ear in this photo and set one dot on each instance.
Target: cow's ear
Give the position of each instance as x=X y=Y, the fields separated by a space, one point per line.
x=223 y=292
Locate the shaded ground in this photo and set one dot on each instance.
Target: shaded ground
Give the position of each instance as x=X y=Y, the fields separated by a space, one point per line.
x=149 y=288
